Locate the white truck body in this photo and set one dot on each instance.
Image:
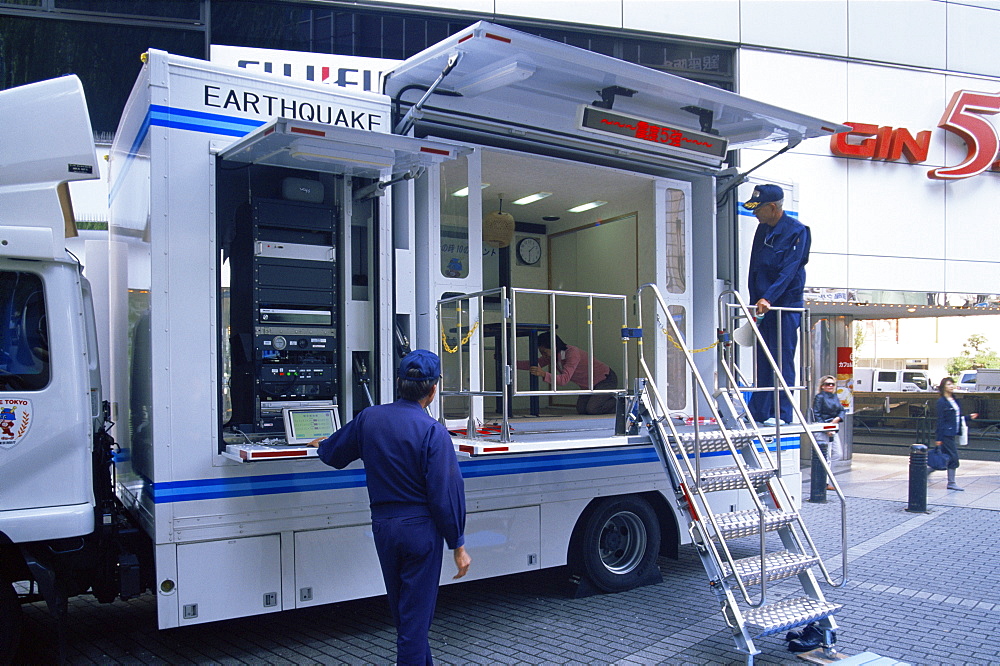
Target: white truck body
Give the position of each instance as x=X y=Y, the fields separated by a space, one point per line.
x=241 y=527
x=987 y=380
x=881 y=379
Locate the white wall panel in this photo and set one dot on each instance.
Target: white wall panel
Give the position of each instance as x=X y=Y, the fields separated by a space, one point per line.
x=813 y=86
x=971 y=277
x=702 y=19
x=826 y=270
x=895 y=274
x=892 y=212
x=822 y=191
x=988 y=4
x=972 y=39
x=971 y=216
x=881 y=95
x=589 y=12
x=910 y=32
x=816 y=26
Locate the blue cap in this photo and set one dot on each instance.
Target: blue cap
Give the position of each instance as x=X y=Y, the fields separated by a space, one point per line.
x=427 y=362
x=763 y=194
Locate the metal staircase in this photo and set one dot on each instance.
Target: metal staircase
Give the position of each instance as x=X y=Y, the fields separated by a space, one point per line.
x=690 y=458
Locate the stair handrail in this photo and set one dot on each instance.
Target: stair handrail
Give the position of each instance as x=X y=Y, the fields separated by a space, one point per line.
x=661 y=406
x=781 y=384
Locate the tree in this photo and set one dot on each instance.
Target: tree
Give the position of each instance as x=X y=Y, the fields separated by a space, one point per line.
x=975 y=354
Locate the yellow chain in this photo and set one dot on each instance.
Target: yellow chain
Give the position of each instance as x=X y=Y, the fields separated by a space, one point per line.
x=468 y=336
x=693 y=351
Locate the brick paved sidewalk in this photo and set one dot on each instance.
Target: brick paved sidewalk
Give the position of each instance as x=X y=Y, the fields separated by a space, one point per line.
x=923 y=589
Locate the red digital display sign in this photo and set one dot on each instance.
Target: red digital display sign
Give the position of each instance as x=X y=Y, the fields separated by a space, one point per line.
x=602 y=120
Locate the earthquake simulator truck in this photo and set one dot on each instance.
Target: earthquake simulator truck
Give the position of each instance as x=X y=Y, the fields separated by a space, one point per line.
x=273 y=248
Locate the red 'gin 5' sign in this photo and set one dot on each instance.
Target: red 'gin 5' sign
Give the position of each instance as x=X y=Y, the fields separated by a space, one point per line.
x=963 y=117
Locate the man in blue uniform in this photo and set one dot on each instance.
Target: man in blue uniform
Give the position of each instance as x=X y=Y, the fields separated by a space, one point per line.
x=417 y=497
x=776 y=279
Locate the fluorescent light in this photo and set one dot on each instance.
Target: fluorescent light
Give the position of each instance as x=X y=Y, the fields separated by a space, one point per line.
x=531 y=198
x=586 y=206
x=464 y=192
x=492 y=77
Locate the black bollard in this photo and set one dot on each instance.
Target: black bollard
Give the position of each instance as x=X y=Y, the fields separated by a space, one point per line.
x=817 y=475
x=918 y=479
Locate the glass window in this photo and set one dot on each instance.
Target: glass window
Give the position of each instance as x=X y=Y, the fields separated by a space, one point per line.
x=916 y=378
x=108 y=72
x=24 y=345
x=676 y=242
x=175 y=9
x=455 y=218
x=677 y=368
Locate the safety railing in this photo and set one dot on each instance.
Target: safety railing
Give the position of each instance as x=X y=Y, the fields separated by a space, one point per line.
x=733 y=310
x=694 y=470
x=462 y=327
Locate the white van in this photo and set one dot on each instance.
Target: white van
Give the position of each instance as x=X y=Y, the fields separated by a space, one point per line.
x=880 y=379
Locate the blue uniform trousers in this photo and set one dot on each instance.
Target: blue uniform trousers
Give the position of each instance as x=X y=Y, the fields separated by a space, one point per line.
x=410 y=550
x=762 y=402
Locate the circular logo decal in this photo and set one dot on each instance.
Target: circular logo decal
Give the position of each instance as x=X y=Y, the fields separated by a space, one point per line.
x=15 y=419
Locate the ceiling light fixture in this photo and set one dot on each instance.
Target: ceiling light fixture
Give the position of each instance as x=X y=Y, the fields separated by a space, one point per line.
x=532 y=198
x=587 y=206
x=464 y=192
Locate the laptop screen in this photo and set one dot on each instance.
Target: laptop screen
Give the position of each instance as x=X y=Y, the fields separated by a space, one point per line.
x=304 y=424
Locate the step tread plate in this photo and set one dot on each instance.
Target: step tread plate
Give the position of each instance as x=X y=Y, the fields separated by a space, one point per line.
x=787 y=614
x=778 y=566
x=747 y=523
x=729 y=478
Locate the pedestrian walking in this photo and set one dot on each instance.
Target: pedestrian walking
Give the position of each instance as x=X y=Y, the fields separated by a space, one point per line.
x=949 y=425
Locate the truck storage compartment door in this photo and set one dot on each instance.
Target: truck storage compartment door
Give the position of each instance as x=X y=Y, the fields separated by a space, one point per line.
x=519 y=87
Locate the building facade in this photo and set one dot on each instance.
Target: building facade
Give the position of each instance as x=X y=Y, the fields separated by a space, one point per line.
x=901 y=210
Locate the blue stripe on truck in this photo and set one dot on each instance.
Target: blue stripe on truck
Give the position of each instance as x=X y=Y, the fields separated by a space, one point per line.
x=500 y=465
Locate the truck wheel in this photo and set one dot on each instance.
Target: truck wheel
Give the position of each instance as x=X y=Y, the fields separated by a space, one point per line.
x=10 y=622
x=619 y=543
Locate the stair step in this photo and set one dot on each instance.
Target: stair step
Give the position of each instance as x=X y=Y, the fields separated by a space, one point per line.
x=747 y=523
x=713 y=441
x=777 y=566
x=729 y=478
x=786 y=614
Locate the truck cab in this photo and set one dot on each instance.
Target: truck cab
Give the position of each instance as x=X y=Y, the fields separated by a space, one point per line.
x=50 y=388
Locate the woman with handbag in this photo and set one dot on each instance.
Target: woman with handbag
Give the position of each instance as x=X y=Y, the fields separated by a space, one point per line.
x=826 y=408
x=949 y=425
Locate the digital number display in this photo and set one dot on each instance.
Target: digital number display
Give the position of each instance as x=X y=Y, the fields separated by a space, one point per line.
x=609 y=122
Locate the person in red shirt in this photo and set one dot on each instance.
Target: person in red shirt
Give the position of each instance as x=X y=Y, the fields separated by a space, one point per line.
x=572 y=366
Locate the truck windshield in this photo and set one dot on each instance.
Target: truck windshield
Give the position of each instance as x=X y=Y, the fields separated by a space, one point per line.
x=24 y=345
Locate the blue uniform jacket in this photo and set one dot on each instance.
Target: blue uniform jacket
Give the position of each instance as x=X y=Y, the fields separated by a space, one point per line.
x=947 y=419
x=778 y=262
x=410 y=462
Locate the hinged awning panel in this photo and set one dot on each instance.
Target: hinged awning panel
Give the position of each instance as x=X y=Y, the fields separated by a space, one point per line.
x=352 y=152
x=524 y=85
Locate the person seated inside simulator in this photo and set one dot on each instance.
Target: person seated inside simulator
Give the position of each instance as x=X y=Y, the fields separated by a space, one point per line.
x=571 y=366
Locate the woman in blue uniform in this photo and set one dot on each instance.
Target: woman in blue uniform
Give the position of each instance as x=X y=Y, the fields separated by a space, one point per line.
x=416 y=494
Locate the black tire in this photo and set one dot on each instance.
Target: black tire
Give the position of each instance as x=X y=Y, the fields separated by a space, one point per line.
x=10 y=622
x=619 y=543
